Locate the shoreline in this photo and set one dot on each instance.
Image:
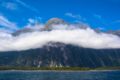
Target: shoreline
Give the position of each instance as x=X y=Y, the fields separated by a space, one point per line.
x=13 y=68
x=57 y=70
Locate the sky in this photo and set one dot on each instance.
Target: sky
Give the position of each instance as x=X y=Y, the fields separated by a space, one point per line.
x=94 y=14
x=100 y=14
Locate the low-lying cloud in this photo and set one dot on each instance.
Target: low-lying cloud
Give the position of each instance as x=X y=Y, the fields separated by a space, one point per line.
x=87 y=38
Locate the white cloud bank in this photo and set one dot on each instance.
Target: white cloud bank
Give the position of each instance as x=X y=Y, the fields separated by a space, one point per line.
x=87 y=38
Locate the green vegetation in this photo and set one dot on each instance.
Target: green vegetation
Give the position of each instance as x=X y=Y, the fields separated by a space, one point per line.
x=58 y=68
x=108 y=68
x=43 y=68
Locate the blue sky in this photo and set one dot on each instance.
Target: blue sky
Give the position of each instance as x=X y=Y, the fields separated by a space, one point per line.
x=102 y=14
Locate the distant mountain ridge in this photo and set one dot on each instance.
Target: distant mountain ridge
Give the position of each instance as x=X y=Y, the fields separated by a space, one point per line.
x=48 y=26
x=58 y=21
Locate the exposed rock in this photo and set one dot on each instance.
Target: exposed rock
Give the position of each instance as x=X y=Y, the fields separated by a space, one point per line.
x=54 y=21
x=72 y=56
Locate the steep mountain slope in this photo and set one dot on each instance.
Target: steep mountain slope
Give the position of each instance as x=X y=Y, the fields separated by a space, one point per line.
x=58 y=54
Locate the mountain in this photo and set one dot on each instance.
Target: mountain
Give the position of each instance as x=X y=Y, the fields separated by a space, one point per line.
x=48 y=26
x=55 y=54
x=57 y=21
x=25 y=30
x=116 y=32
x=54 y=21
x=59 y=54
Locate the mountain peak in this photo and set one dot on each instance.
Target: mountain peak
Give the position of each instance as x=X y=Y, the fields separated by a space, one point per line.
x=54 y=21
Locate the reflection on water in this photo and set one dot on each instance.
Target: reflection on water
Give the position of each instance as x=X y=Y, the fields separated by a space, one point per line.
x=58 y=75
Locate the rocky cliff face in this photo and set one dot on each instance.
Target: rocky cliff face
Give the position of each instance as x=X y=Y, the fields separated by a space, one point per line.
x=54 y=21
x=58 y=54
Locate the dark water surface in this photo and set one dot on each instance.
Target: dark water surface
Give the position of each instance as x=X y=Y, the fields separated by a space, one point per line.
x=59 y=75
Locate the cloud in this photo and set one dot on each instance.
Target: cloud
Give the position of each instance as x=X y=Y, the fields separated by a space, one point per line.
x=10 y=5
x=34 y=20
x=5 y=30
x=101 y=28
x=34 y=23
x=6 y=23
x=27 y=6
x=73 y=15
x=31 y=20
x=87 y=38
x=97 y=16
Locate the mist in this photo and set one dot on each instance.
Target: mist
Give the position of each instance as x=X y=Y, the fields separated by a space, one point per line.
x=67 y=34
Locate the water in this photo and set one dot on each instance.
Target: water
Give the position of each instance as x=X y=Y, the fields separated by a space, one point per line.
x=58 y=75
